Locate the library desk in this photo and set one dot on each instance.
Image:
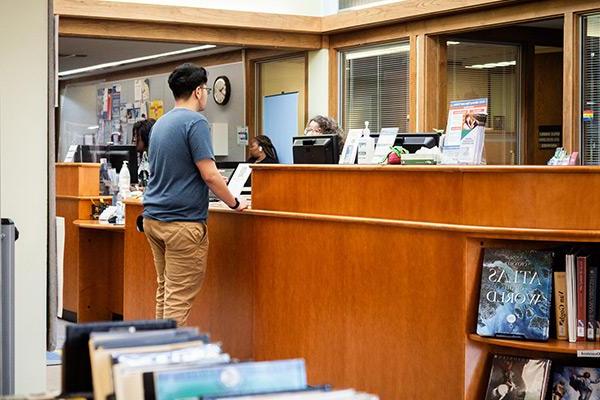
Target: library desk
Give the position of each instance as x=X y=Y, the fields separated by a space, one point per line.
x=76 y=191
x=371 y=273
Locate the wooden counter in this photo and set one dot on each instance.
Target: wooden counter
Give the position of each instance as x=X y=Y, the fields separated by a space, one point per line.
x=372 y=273
x=77 y=188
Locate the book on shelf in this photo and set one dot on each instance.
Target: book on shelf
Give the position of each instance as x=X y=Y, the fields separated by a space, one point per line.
x=581 y=297
x=560 y=305
x=516 y=378
x=516 y=289
x=571 y=274
x=591 y=316
x=575 y=383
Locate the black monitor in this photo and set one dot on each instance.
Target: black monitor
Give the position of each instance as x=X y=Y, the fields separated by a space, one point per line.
x=76 y=368
x=118 y=153
x=115 y=154
x=321 y=149
x=414 y=141
x=89 y=153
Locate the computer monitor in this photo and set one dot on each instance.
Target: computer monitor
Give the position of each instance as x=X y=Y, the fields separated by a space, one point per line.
x=414 y=141
x=320 y=149
x=76 y=368
x=226 y=169
x=89 y=153
x=116 y=154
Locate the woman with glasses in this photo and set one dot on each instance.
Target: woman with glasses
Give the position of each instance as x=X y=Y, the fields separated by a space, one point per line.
x=321 y=125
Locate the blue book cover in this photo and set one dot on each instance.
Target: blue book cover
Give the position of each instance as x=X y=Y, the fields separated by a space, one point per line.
x=575 y=383
x=231 y=379
x=516 y=288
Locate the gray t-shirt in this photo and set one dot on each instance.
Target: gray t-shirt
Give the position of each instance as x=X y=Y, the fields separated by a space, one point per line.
x=176 y=190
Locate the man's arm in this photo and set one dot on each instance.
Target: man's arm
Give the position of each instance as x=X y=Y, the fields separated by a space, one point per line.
x=210 y=174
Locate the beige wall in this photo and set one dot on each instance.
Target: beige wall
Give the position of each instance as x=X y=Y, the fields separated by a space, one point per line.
x=23 y=175
x=287 y=75
x=318 y=82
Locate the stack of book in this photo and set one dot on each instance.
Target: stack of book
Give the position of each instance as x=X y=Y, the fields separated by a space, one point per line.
x=171 y=363
x=576 y=300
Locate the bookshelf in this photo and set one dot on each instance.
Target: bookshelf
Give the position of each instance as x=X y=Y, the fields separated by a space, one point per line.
x=551 y=346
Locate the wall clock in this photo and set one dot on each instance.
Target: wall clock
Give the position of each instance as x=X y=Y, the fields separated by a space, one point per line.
x=221 y=90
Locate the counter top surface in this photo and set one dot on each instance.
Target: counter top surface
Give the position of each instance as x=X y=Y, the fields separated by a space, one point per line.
x=433 y=168
x=95 y=224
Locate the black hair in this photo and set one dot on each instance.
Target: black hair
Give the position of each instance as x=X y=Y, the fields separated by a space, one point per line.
x=141 y=131
x=267 y=146
x=185 y=79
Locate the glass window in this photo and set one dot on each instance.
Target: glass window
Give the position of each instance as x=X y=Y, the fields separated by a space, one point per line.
x=484 y=70
x=375 y=87
x=591 y=90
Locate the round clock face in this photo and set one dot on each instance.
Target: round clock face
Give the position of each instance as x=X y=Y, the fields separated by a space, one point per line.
x=221 y=90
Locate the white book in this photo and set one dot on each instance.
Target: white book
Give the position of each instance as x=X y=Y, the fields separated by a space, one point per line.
x=571 y=297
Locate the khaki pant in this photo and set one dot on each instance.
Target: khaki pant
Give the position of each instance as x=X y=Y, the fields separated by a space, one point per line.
x=180 y=252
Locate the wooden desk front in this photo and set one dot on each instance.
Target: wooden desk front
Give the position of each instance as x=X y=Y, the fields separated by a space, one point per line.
x=369 y=273
x=99 y=286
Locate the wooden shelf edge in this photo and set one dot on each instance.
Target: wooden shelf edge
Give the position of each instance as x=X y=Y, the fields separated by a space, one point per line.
x=94 y=224
x=551 y=346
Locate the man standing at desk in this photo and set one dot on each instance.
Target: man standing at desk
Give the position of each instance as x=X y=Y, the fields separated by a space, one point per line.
x=182 y=168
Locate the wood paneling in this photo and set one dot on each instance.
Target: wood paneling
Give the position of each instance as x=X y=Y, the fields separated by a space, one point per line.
x=100 y=280
x=351 y=309
x=402 y=12
x=571 y=84
x=360 y=192
x=77 y=179
x=436 y=86
x=548 y=101
x=76 y=188
x=210 y=17
x=372 y=302
x=334 y=82
x=137 y=30
x=224 y=307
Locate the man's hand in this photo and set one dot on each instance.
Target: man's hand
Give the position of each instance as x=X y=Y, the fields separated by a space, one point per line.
x=243 y=205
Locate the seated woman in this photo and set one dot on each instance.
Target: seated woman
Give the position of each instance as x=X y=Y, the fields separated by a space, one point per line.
x=321 y=125
x=262 y=150
x=141 y=134
x=141 y=139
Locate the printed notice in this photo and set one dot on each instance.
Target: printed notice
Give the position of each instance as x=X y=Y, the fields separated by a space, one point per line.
x=239 y=178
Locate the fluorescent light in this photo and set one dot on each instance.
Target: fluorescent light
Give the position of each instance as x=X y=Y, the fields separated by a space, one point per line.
x=491 y=65
x=91 y=128
x=452 y=43
x=381 y=51
x=134 y=60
